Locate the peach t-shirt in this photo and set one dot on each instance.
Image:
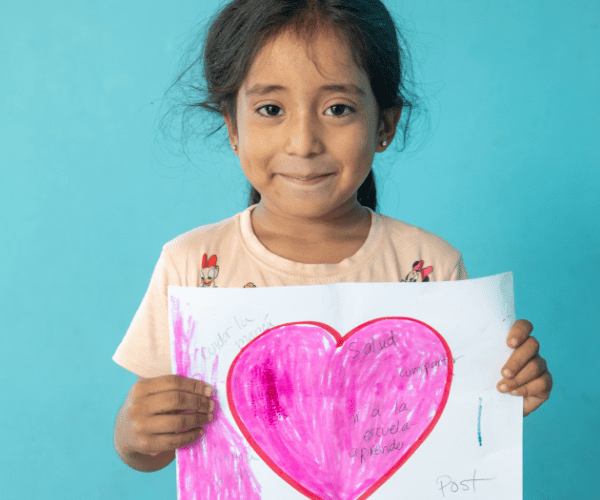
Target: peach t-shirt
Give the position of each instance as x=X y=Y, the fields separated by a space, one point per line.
x=228 y=255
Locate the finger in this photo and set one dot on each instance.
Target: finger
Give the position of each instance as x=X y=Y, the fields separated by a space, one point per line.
x=166 y=442
x=532 y=370
x=177 y=401
x=520 y=357
x=175 y=383
x=538 y=392
x=540 y=387
x=178 y=423
x=520 y=330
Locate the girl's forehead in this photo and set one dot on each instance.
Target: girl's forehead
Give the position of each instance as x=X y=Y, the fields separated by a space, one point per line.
x=287 y=57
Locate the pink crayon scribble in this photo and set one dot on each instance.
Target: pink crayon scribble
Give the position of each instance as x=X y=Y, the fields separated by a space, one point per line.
x=217 y=465
x=336 y=416
x=267 y=402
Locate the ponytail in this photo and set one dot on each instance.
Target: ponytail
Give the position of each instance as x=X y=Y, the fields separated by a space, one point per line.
x=366 y=194
x=254 y=196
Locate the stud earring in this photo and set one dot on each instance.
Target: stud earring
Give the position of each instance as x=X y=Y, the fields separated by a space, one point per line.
x=384 y=143
x=234 y=147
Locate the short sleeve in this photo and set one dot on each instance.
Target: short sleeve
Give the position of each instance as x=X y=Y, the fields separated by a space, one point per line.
x=145 y=349
x=460 y=272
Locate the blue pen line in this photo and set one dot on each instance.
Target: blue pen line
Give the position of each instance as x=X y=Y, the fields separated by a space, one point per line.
x=479 y=423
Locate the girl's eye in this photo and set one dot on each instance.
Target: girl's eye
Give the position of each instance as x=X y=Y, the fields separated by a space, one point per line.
x=342 y=106
x=331 y=107
x=268 y=106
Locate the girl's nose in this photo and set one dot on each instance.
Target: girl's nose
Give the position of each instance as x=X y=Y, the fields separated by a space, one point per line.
x=304 y=136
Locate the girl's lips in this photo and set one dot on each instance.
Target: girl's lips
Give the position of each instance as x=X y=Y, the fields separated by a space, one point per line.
x=307 y=181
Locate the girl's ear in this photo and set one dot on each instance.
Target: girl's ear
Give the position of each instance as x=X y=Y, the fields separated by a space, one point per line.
x=231 y=129
x=391 y=117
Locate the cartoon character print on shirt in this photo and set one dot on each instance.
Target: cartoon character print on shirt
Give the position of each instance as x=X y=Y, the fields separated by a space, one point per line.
x=209 y=272
x=249 y=285
x=418 y=274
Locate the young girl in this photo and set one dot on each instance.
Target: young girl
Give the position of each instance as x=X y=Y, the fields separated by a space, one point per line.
x=309 y=91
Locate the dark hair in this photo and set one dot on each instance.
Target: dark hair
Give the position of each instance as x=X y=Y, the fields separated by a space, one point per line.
x=238 y=32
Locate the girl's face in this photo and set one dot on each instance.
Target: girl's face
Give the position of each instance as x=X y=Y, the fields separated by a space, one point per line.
x=304 y=147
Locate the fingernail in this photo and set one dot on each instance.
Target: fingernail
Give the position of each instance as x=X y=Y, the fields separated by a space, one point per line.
x=208 y=391
x=210 y=417
x=507 y=373
x=503 y=388
x=514 y=393
x=512 y=342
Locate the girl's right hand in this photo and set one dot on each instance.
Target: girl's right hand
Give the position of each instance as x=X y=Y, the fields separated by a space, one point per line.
x=165 y=413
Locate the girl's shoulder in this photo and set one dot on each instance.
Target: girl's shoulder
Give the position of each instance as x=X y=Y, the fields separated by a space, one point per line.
x=423 y=255
x=408 y=235
x=217 y=233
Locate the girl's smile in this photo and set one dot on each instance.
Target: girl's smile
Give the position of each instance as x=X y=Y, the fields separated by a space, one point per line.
x=307 y=180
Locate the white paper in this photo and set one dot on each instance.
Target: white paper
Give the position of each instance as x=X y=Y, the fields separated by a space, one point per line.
x=309 y=418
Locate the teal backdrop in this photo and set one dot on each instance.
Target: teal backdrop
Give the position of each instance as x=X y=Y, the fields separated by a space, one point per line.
x=508 y=171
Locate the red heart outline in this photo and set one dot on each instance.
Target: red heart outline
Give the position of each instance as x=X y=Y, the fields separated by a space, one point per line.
x=340 y=342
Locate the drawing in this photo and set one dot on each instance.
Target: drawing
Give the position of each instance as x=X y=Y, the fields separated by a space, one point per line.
x=335 y=416
x=379 y=408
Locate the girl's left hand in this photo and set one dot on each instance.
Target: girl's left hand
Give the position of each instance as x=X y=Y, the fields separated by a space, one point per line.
x=525 y=373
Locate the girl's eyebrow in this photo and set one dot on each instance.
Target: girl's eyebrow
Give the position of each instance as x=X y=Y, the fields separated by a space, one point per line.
x=349 y=88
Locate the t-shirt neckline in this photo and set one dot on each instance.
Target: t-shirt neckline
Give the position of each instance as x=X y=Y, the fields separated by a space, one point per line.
x=286 y=266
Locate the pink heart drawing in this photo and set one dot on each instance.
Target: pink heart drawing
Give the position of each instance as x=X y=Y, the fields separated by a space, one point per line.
x=336 y=416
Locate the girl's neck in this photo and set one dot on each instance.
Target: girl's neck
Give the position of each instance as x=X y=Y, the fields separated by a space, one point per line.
x=312 y=241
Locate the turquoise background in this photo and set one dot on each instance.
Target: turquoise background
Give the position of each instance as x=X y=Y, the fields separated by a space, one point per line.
x=508 y=172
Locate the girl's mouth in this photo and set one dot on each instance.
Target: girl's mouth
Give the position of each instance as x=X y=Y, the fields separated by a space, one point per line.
x=308 y=180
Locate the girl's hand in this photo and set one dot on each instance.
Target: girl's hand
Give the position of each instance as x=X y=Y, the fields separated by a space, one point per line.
x=525 y=373
x=165 y=413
